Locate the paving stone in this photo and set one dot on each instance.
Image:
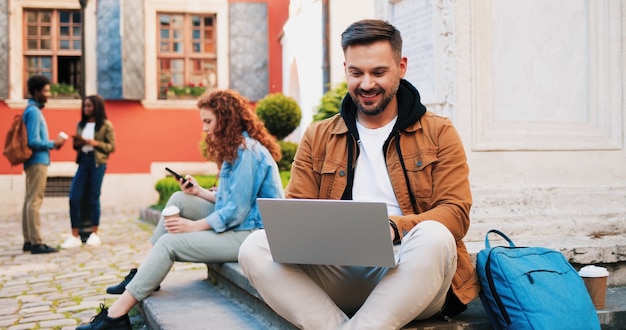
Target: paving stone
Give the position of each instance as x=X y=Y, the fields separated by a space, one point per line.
x=36 y=304
x=33 y=310
x=23 y=326
x=28 y=298
x=8 y=308
x=40 y=279
x=7 y=321
x=57 y=323
x=57 y=296
x=42 y=317
x=61 y=290
x=14 y=282
x=73 y=275
x=43 y=290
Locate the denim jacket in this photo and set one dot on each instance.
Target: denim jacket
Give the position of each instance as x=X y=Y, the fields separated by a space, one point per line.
x=37 y=134
x=253 y=174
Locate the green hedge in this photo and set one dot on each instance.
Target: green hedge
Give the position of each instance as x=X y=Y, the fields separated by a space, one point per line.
x=288 y=151
x=330 y=104
x=168 y=186
x=280 y=113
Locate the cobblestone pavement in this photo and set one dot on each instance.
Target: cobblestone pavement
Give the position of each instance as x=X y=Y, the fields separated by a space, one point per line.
x=62 y=290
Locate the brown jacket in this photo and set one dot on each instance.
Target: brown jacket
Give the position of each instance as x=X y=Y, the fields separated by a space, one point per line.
x=434 y=165
x=105 y=135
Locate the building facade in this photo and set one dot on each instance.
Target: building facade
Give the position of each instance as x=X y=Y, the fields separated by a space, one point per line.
x=149 y=59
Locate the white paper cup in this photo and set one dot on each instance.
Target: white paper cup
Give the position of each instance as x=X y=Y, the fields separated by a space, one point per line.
x=63 y=135
x=170 y=212
x=595 y=279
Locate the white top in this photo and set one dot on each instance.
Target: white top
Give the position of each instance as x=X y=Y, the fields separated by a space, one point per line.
x=88 y=134
x=371 y=179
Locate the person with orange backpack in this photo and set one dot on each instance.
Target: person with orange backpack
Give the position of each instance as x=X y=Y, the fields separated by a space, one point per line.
x=36 y=167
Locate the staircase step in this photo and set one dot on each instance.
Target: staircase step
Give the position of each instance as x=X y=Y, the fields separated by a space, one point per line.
x=225 y=300
x=187 y=300
x=222 y=298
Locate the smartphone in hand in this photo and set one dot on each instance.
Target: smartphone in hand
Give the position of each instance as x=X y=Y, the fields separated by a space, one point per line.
x=180 y=177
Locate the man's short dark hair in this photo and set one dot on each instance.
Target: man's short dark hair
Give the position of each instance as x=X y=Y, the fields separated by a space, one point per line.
x=368 y=31
x=37 y=83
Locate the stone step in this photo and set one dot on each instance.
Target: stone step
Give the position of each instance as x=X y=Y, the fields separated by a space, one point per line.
x=526 y=227
x=608 y=251
x=533 y=212
x=189 y=301
x=223 y=299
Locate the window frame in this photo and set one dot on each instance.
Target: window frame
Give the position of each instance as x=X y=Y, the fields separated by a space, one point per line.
x=55 y=51
x=187 y=55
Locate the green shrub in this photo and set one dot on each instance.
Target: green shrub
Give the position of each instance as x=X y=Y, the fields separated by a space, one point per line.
x=330 y=104
x=190 y=89
x=280 y=113
x=285 y=176
x=167 y=186
x=63 y=90
x=288 y=151
x=202 y=146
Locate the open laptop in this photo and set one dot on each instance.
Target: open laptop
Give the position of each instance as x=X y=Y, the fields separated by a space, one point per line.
x=328 y=232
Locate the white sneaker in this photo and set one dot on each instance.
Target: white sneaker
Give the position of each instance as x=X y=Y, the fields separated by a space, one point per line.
x=93 y=240
x=72 y=242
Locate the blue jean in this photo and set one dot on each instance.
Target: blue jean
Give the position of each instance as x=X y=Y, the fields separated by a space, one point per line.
x=86 y=184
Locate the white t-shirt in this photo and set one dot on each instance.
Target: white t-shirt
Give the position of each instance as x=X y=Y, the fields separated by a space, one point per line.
x=371 y=179
x=88 y=134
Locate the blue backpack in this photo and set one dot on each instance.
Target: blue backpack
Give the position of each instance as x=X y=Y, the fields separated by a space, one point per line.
x=532 y=288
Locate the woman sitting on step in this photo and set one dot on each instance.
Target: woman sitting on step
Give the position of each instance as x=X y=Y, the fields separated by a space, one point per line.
x=212 y=224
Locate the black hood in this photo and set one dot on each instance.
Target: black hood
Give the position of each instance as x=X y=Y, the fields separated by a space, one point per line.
x=410 y=108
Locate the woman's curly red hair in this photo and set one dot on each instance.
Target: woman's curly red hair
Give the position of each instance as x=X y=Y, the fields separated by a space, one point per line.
x=234 y=115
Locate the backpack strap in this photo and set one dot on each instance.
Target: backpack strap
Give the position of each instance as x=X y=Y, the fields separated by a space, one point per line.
x=495 y=231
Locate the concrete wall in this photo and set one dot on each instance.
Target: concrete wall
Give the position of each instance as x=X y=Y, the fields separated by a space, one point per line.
x=249 y=56
x=4 y=49
x=133 y=50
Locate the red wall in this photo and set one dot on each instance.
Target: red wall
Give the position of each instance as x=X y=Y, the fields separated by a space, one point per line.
x=142 y=136
x=278 y=13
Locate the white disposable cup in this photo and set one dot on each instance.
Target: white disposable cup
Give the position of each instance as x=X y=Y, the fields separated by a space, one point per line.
x=595 y=279
x=170 y=212
x=63 y=135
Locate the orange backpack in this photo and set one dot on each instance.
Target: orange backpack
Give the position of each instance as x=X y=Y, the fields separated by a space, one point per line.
x=16 y=148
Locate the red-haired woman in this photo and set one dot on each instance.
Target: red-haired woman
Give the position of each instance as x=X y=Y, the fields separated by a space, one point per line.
x=212 y=224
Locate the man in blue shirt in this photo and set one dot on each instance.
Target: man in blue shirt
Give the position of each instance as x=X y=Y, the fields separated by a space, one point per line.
x=36 y=167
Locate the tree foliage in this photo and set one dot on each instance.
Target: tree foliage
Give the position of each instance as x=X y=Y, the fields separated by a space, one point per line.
x=280 y=113
x=330 y=104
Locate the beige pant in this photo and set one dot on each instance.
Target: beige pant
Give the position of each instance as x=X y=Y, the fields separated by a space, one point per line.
x=36 y=176
x=324 y=297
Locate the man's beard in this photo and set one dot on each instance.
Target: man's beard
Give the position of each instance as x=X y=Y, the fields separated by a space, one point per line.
x=380 y=108
x=41 y=100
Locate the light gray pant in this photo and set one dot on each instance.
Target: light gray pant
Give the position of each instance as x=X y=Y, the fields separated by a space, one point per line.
x=202 y=247
x=322 y=297
x=36 y=176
